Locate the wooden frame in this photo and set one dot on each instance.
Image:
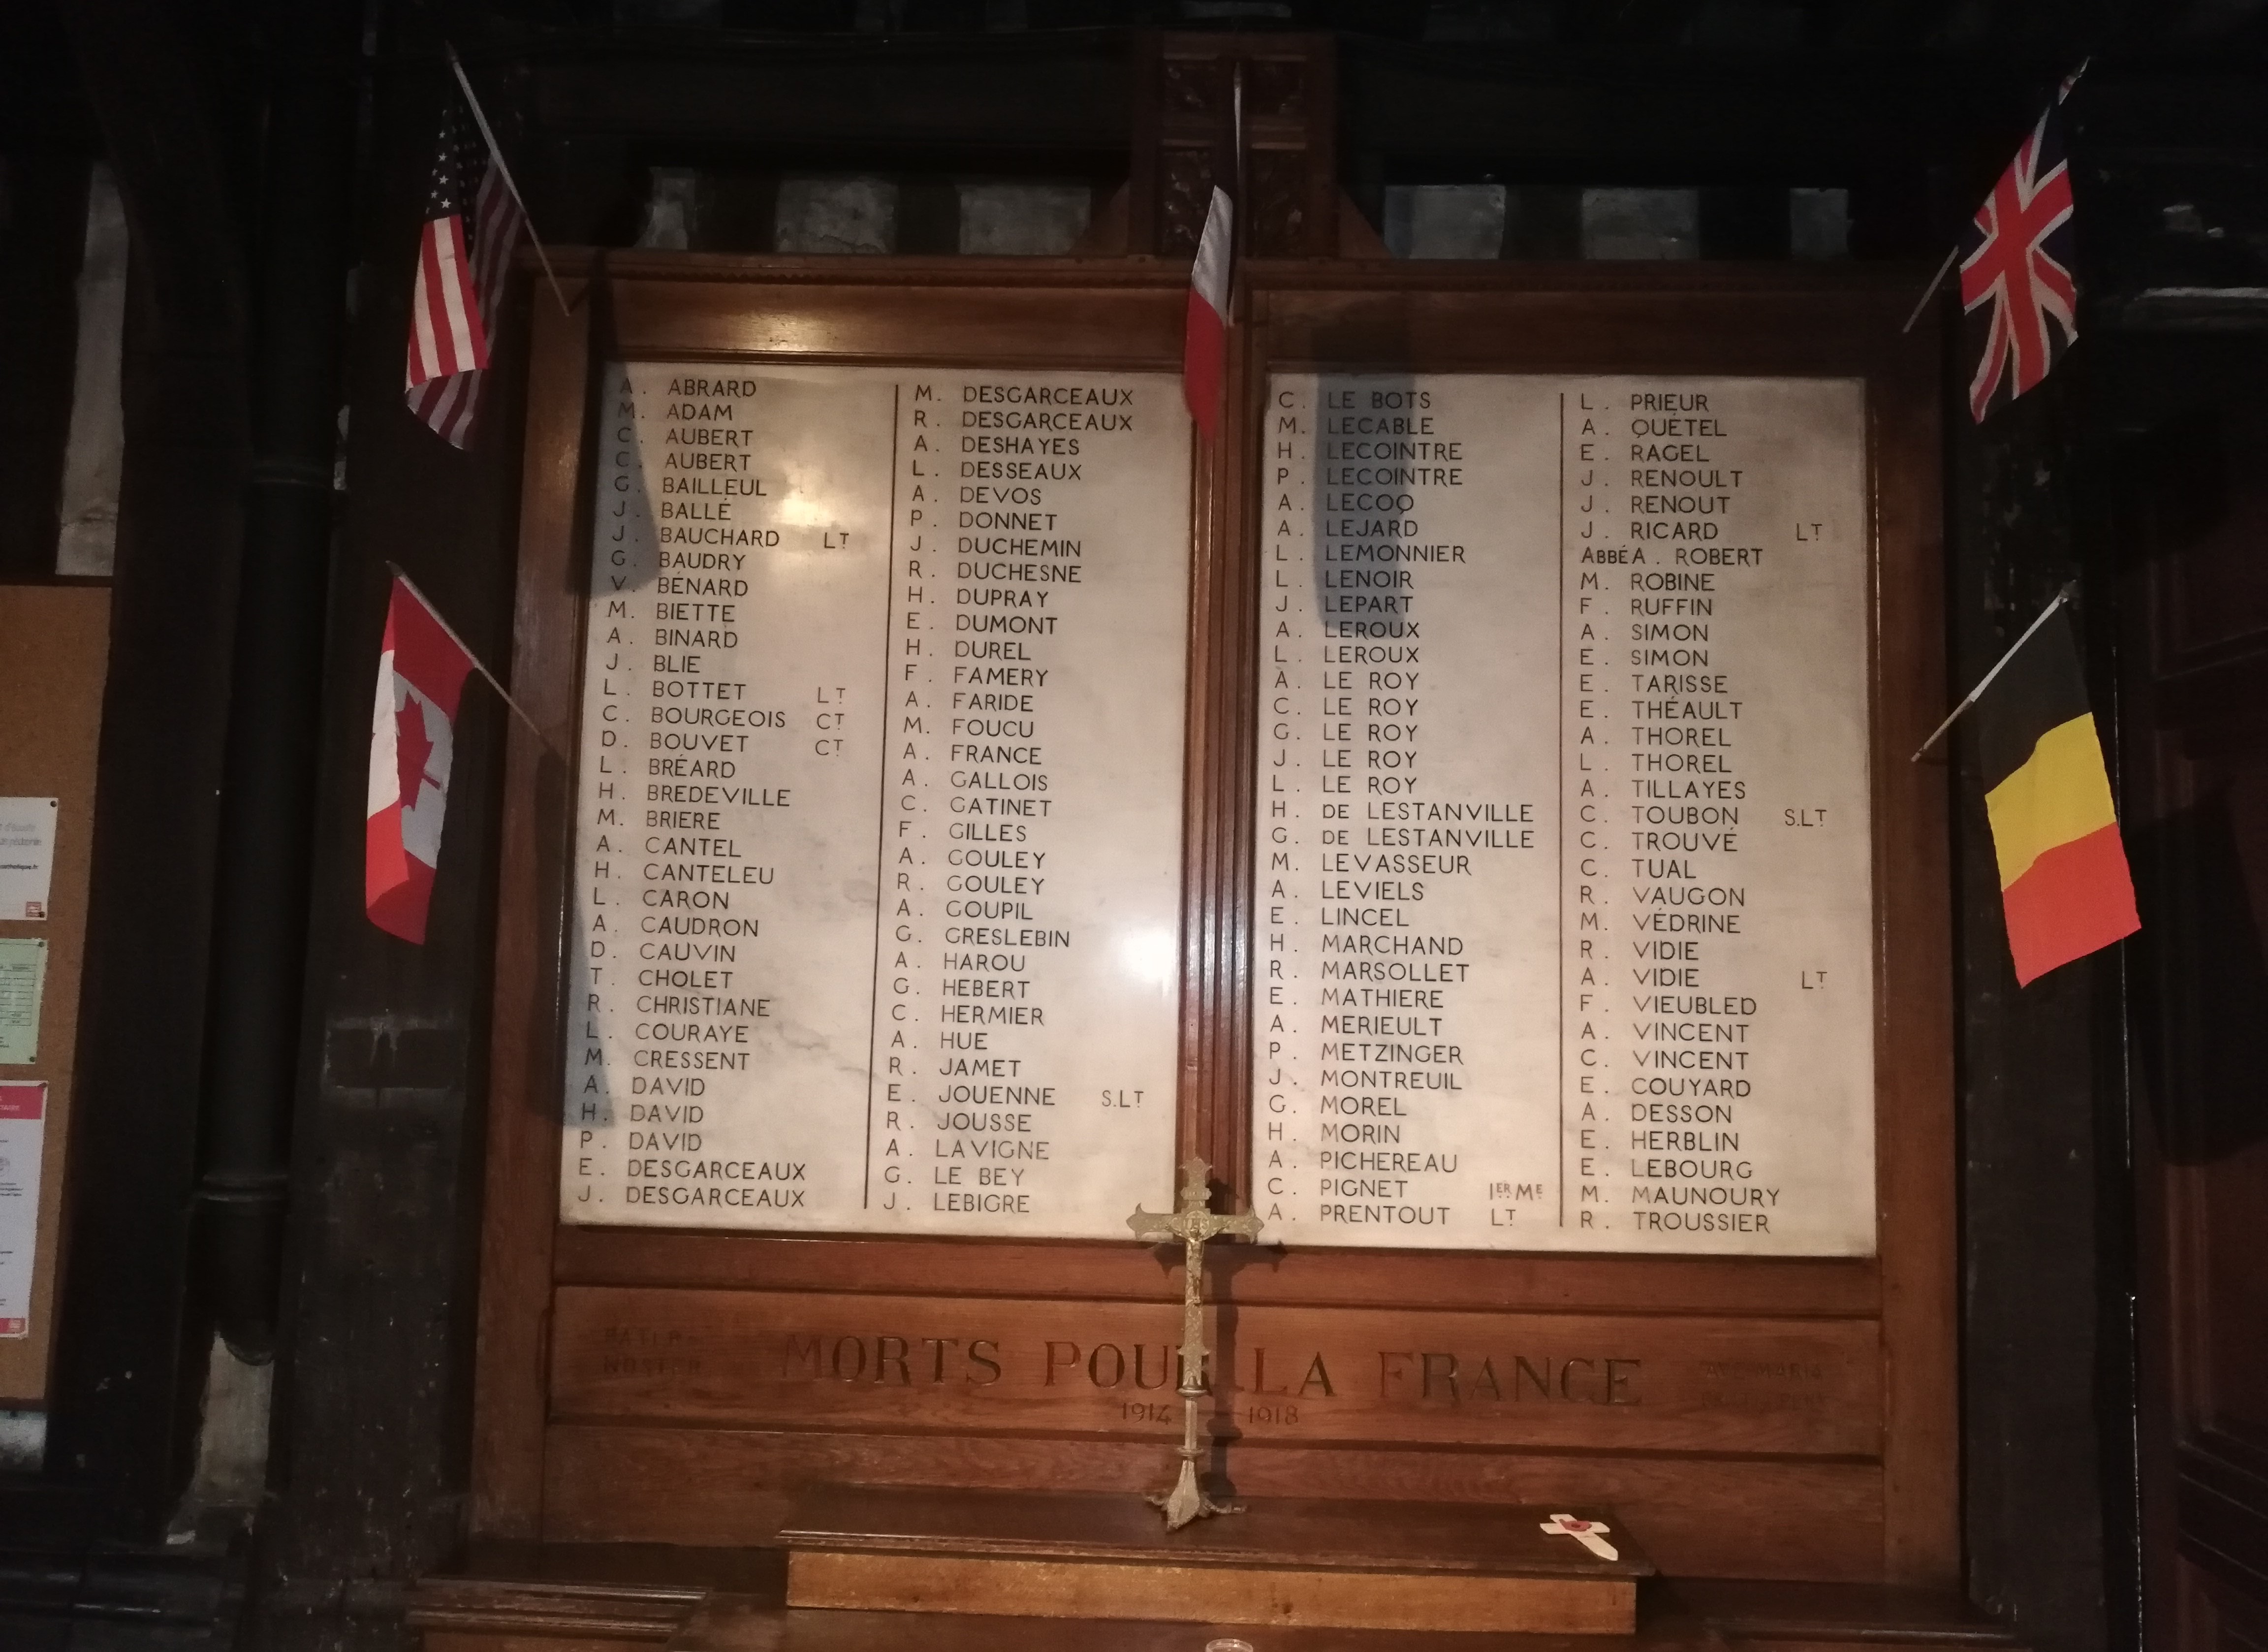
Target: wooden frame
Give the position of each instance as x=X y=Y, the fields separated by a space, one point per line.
x=1768 y=320
x=1022 y=313
x=1857 y=1481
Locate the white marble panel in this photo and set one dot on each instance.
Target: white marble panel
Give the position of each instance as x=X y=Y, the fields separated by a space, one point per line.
x=1564 y=875
x=879 y=835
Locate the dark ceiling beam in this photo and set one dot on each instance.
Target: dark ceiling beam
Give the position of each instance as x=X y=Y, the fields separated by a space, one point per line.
x=1065 y=93
x=2207 y=20
x=1626 y=22
x=42 y=107
x=1582 y=117
x=1066 y=96
x=1888 y=25
x=2184 y=25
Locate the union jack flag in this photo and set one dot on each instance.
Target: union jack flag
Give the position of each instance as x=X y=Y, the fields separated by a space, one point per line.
x=462 y=260
x=2016 y=262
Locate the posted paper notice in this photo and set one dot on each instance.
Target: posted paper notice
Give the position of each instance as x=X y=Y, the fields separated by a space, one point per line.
x=23 y=1120
x=27 y=855
x=23 y=976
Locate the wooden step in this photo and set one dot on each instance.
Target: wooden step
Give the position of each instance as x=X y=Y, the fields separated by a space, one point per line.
x=583 y=1597
x=641 y=1597
x=1282 y=1562
x=1722 y=1617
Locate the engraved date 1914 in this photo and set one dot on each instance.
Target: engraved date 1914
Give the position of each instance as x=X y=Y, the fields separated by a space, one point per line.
x=1161 y=1411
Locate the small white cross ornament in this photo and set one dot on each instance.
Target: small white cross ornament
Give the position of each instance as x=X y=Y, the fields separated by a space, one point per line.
x=1589 y=1533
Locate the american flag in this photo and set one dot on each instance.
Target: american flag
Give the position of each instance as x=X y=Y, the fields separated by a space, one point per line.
x=2017 y=264
x=460 y=273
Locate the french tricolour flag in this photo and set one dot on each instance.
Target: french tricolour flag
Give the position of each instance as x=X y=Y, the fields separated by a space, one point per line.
x=421 y=675
x=1206 y=348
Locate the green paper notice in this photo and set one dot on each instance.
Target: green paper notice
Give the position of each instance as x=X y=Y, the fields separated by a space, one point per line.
x=23 y=976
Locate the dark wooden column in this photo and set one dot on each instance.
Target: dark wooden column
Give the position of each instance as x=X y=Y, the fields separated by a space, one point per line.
x=2193 y=677
x=367 y=1434
x=1184 y=142
x=2038 y=1102
x=129 y=1358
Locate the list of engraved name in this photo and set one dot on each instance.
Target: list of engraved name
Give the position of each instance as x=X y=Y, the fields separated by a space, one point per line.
x=877 y=854
x=1562 y=859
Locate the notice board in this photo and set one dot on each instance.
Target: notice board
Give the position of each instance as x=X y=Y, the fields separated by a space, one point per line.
x=55 y=652
x=963 y=792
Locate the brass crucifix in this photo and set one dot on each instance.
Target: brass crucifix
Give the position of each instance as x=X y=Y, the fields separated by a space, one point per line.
x=1192 y=1224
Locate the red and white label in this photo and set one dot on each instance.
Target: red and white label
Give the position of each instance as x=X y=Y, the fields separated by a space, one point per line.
x=23 y=1127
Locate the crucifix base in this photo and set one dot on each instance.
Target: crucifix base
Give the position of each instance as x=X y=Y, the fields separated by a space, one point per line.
x=1288 y=1562
x=1188 y=1502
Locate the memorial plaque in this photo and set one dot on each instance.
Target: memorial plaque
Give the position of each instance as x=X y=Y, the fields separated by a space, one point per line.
x=1563 y=860
x=878 y=856
x=752 y=1265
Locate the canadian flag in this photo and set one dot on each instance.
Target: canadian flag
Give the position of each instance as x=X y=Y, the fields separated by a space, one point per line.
x=421 y=674
x=1206 y=348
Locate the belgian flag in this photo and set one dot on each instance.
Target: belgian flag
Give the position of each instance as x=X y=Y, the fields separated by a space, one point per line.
x=2064 y=882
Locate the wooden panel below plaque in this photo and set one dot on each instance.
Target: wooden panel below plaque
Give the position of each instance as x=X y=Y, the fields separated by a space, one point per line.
x=1662 y=1382
x=699 y=1487
x=1285 y=1563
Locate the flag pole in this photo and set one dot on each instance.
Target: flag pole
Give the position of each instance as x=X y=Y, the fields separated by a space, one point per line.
x=496 y=153
x=1930 y=291
x=2061 y=597
x=426 y=602
x=1237 y=228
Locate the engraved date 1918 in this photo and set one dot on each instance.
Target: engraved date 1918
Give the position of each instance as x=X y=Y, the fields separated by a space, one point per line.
x=1161 y=1410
